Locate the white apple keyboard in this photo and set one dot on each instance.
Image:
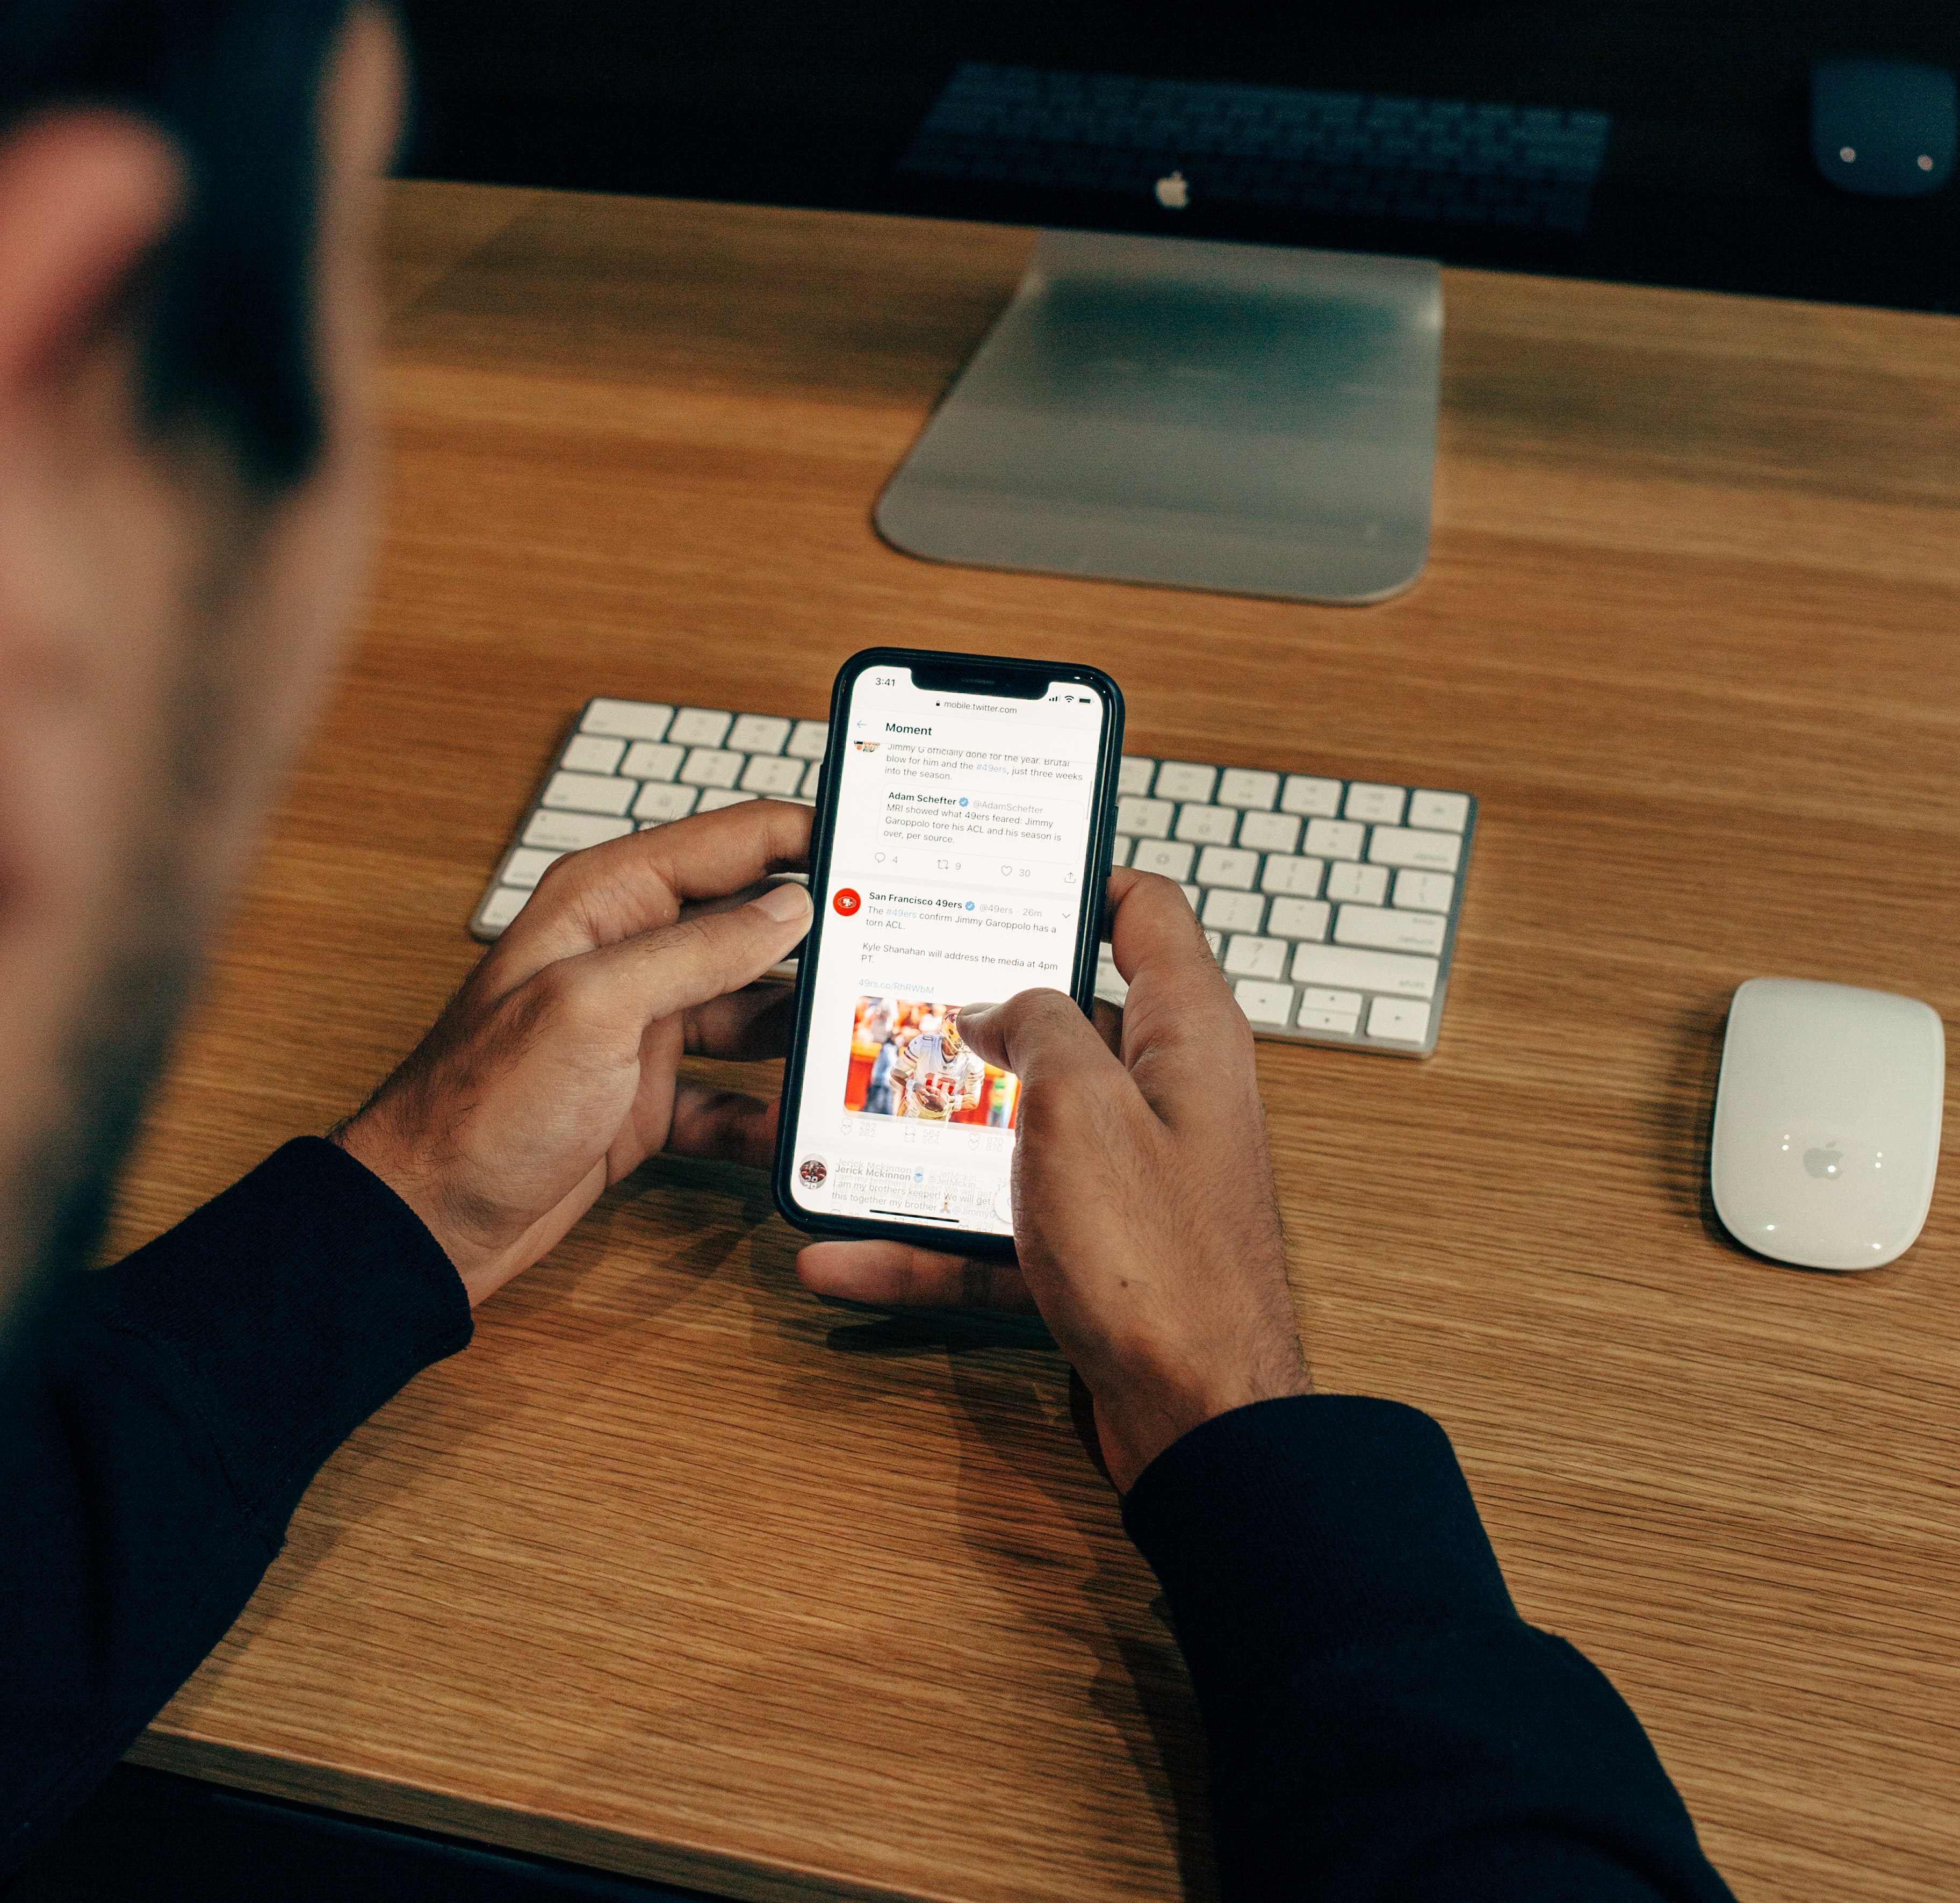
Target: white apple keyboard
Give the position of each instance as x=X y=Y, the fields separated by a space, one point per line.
x=1332 y=904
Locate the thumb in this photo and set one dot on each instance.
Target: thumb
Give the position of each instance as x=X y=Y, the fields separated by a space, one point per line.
x=1037 y=1034
x=642 y=979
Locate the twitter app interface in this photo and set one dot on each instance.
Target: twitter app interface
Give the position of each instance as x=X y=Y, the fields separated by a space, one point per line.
x=957 y=868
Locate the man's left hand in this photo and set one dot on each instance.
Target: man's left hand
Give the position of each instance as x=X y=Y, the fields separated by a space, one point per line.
x=552 y=1072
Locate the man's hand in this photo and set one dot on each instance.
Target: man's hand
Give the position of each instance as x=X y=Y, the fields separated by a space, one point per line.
x=550 y=1075
x=1145 y=1218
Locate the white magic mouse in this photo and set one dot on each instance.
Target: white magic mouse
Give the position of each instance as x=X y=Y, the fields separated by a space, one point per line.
x=1827 y=1122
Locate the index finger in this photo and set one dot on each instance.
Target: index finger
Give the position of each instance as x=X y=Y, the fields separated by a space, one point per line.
x=609 y=893
x=1182 y=1029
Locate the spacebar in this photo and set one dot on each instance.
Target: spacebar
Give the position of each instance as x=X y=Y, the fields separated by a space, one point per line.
x=1336 y=965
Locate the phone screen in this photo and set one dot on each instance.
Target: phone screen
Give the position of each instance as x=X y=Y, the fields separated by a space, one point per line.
x=962 y=828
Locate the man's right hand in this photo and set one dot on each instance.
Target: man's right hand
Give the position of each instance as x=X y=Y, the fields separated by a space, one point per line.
x=1145 y=1218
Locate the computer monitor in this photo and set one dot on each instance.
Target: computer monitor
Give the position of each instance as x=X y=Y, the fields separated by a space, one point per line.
x=1157 y=403
x=1706 y=180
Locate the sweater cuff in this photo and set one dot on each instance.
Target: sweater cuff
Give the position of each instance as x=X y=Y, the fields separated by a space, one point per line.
x=288 y=1309
x=1291 y=1529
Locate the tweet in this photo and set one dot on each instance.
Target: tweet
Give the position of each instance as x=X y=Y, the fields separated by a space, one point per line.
x=957 y=866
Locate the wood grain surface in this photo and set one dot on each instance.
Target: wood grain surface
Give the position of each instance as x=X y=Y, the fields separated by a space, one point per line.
x=679 y=1572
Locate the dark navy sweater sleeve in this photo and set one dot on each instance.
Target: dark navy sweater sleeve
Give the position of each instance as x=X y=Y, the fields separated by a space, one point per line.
x=158 y=1423
x=1382 y=1723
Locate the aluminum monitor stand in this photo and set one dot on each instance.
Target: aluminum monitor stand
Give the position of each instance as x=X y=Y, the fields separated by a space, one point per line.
x=1236 y=417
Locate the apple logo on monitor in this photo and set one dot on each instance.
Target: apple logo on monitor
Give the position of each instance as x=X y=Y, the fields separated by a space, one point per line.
x=1173 y=192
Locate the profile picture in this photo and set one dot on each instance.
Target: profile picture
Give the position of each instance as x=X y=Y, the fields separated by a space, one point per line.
x=908 y=1058
x=866 y=746
x=814 y=1172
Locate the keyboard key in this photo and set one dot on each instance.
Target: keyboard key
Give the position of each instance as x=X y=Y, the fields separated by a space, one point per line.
x=764 y=734
x=503 y=905
x=1425 y=891
x=1255 y=791
x=715 y=797
x=573 y=832
x=1250 y=957
x=1316 y=1020
x=1162 y=855
x=711 y=766
x=1221 y=866
x=588 y=793
x=646 y=760
x=773 y=774
x=1439 y=812
x=1270 y=832
x=1191 y=896
x=1133 y=776
x=1426 y=852
x=1298 y=878
x=1176 y=780
x=807 y=742
x=1368 y=885
x=1270 y=1004
x=1145 y=818
x=1228 y=911
x=1207 y=825
x=661 y=803
x=1119 y=852
x=813 y=779
x=1378 y=804
x=1399 y=1018
x=1313 y=798
x=1336 y=965
x=700 y=727
x=1390 y=931
x=591 y=754
x=526 y=865
x=1334 y=838
x=1298 y=919
x=1321 y=999
x=1109 y=985
x=1212 y=942
x=629 y=719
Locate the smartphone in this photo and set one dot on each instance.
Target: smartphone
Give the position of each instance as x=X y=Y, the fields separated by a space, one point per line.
x=965 y=818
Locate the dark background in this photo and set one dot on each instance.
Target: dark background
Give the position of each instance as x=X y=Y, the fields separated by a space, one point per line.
x=1708 y=180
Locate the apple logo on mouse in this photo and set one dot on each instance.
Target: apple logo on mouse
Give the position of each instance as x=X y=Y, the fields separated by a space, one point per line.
x=1822 y=1164
x=1173 y=192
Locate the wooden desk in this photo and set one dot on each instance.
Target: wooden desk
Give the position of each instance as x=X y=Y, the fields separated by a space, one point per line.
x=678 y=1572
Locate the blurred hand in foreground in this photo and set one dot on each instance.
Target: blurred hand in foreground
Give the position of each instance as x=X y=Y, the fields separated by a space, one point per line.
x=1145 y=1224
x=552 y=1073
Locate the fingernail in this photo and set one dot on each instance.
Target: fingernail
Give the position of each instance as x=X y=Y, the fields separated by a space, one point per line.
x=783 y=902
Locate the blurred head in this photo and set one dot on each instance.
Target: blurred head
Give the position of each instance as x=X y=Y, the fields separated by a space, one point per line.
x=188 y=190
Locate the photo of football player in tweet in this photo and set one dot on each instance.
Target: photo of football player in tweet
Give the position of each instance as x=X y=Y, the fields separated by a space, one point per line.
x=909 y=1059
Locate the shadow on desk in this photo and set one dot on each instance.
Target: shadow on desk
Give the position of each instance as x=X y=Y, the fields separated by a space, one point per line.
x=146 y=1836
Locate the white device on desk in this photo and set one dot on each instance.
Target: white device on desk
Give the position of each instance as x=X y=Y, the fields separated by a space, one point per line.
x=1331 y=903
x=1827 y=1122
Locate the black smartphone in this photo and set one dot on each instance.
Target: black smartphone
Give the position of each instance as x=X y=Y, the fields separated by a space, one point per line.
x=965 y=817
